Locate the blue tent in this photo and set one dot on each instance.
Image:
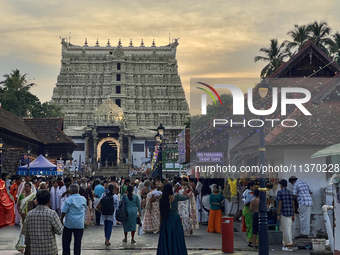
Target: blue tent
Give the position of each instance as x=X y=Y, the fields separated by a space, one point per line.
x=40 y=166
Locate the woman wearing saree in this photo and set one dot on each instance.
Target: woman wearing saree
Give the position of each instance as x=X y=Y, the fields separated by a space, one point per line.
x=151 y=220
x=25 y=197
x=247 y=196
x=171 y=238
x=144 y=193
x=187 y=209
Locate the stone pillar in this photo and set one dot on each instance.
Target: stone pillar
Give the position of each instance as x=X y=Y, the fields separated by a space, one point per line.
x=87 y=151
x=95 y=143
x=120 y=159
x=129 y=151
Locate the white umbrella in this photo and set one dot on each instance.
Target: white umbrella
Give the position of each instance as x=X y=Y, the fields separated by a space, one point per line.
x=329 y=151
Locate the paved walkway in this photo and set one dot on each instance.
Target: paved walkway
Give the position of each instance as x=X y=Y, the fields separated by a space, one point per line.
x=200 y=242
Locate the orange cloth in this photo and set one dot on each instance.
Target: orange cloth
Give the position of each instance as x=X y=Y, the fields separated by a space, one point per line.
x=6 y=207
x=214 y=225
x=13 y=191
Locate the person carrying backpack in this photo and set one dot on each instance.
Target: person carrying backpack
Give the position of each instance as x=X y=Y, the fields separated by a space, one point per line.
x=109 y=201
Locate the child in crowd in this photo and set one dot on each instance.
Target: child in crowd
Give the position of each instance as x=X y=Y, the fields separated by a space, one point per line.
x=157 y=193
x=254 y=206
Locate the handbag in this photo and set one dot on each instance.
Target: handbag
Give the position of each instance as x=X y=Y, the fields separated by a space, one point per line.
x=139 y=222
x=222 y=207
x=140 y=230
x=121 y=213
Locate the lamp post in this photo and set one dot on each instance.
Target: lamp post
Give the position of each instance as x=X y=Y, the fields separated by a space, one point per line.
x=263 y=87
x=1 y=145
x=159 y=139
x=28 y=155
x=75 y=168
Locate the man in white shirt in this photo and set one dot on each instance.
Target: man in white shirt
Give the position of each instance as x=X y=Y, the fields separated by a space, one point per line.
x=55 y=197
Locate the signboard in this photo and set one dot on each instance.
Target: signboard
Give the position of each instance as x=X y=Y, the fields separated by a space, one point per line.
x=208 y=157
x=169 y=165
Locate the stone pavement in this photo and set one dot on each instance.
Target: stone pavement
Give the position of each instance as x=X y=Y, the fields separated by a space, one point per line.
x=200 y=242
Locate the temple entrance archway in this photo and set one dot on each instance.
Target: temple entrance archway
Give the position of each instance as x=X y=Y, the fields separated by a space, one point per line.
x=108 y=148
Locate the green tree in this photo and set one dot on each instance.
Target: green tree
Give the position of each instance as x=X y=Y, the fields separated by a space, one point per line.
x=335 y=47
x=320 y=35
x=275 y=55
x=299 y=36
x=14 y=94
x=16 y=98
x=198 y=122
x=46 y=110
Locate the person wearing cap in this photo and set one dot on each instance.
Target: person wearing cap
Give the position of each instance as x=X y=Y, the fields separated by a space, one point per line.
x=285 y=214
x=302 y=192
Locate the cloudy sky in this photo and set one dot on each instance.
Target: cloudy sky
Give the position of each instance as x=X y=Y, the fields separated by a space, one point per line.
x=216 y=38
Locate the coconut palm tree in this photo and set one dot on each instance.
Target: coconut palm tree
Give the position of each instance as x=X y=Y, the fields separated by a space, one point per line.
x=335 y=48
x=319 y=35
x=14 y=93
x=300 y=36
x=275 y=54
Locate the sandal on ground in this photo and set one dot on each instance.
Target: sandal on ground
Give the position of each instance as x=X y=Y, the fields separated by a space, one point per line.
x=124 y=240
x=133 y=241
x=287 y=249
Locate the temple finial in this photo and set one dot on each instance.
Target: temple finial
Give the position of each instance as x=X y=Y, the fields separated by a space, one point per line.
x=108 y=43
x=153 y=43
x=85 y=44
x=142 y=43
x=131 y=44
x=97 y=43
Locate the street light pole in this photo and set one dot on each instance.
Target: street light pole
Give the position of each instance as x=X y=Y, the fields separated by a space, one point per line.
x=1 y=144
x=263 y=218
x=160 y=130
x=75 y=168
x=28 y=155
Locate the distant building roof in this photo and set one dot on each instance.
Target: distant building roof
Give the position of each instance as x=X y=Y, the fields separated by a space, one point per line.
x=14 y=124
x=293 y=66
x=49 y=130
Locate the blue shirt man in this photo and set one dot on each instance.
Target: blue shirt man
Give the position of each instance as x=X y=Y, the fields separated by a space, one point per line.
x=74 y=210
x=99 y=190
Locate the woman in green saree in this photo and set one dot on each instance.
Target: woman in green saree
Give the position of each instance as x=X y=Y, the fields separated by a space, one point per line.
x=247 y=196
x=22 y=204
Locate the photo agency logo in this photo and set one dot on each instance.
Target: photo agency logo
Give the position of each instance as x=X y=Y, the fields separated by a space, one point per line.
x=239 y=101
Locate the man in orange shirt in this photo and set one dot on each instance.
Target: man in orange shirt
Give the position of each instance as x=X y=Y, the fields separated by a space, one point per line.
x=13 y=192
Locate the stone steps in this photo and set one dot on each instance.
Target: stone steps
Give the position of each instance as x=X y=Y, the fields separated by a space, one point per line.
x=122 y=170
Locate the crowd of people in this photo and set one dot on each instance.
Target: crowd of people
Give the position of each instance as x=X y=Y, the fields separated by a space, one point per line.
x=289 y=202
x=161 y=205
x=68 y=205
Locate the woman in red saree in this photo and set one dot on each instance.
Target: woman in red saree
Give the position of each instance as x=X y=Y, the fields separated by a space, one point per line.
x=151 y=220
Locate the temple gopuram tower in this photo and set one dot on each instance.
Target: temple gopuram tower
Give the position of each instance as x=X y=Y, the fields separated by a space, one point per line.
x=120 y=94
